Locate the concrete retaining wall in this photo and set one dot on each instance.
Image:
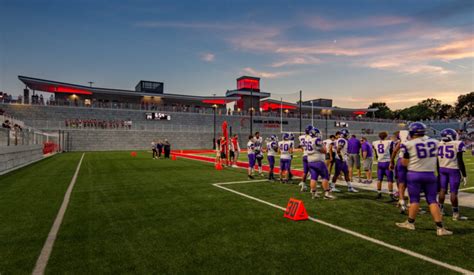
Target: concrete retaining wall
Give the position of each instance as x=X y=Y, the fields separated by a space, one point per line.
x=13 y=157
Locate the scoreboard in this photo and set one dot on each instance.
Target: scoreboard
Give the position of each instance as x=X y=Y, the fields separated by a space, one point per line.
x=341 y=124
x=157 y=116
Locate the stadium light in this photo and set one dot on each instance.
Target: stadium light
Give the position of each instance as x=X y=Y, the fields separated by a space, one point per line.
x=326 y=113
x=214 y=107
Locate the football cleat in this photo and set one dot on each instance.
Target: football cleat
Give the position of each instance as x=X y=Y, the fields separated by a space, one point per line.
x=303 y=186
x=406 y=225
x=458 y=217
x=403 y=209
x=335 y=190
x=352 y=190
x=441 y=231
x=314 y=195
x=328 y=196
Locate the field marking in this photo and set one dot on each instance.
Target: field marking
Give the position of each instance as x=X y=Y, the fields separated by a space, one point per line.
x=350 y=232
x=468 y=188
x=43 y=258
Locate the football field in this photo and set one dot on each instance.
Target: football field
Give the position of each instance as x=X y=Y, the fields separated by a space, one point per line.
x=139 y=215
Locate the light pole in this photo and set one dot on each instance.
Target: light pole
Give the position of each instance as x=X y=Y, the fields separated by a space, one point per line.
x=214 y=107
x=326 y=113
x=301 y=101
x=251 y=111
x=312 y=113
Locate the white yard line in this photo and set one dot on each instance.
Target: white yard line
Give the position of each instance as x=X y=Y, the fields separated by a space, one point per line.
x=468 y=188
x=53 y=233
x=350 y=232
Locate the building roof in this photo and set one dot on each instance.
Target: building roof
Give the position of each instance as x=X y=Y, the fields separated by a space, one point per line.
x=277 y=104
x=248 y=77
x=62 y=87
x=247 y=92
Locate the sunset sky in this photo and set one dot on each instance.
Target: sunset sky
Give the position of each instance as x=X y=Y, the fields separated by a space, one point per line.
x=355 y=52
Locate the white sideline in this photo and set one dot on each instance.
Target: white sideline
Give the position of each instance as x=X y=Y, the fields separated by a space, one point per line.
x=350 y=232
x=43 y=258
x=467 y=188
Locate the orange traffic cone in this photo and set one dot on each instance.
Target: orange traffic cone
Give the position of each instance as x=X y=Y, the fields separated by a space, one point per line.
x=173 y=157
x=218 y=166
x=133 y=154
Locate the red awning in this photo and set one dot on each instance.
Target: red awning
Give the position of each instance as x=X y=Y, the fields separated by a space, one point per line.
x=216 y=101
x=272 y=106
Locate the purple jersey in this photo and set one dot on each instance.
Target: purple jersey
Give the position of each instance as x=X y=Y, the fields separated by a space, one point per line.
x=353 y=146
x=366 y=147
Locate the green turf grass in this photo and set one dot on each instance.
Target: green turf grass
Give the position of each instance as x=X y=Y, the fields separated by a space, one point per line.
x=141 y=215
x=29 y=201
x=161 y=216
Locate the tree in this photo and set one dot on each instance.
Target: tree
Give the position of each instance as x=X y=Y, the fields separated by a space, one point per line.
x=465 y=105
x=383 y=110
x=414 y=113
x=446 y=111
x=432 y=104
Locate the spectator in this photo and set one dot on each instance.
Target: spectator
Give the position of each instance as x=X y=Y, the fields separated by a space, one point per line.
x=153 y=149
x=167 y=148
x=159 y=148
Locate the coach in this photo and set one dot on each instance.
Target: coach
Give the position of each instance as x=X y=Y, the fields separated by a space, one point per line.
x=353 y=150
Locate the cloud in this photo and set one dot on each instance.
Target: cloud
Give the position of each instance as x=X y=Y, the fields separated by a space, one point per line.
x=326 y=24
x=453 y=50
x=297 y=60
x=417 y=60
x=208 y=57
x=263 y=74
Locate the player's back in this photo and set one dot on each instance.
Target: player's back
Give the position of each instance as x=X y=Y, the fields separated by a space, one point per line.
x=422 y=153
x=447 y=153
x=382 y=147
x=285 y=147
x=303 y=139
x=314 y=146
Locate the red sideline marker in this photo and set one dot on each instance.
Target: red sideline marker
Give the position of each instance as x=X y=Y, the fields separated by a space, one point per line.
x=133 y=154
x=295 y=210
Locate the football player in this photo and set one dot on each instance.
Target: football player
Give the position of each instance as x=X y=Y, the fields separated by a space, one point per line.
x=303 y=139
x=341 y=162
x=272 y=150
x=451 y=169
x=400 y=170
x=383 y=150
x=316 y=153
x=258 y=151
x=329 y=156
x=251 y=155
x=366 y=149
x=292 y=139
x=420 y=157
x=286 y=150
